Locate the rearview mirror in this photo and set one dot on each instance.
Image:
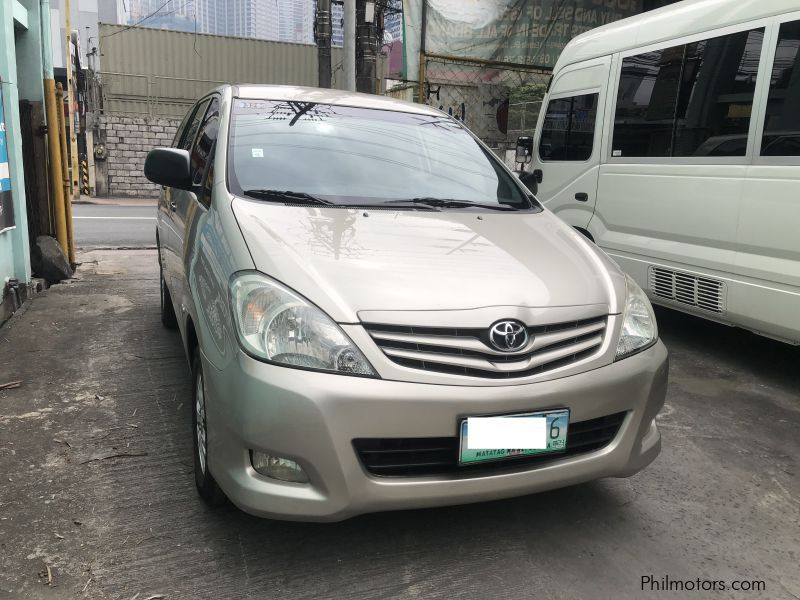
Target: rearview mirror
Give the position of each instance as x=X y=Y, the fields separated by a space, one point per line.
x=524 y=150
x=169 y=167
x=529 y=180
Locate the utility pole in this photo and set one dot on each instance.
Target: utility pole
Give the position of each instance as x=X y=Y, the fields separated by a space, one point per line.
x=324 y=43
x=350 y=45
x=57 y=200
x=423 y=30
x=73 y=134
x=366 y=46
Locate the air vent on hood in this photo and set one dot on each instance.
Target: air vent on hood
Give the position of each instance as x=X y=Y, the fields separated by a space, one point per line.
x=690 y=290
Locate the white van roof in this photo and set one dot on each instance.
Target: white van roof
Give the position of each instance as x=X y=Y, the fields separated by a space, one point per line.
x=673 y=21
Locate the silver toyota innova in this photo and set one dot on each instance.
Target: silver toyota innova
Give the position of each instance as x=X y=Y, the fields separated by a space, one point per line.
x=379 y=316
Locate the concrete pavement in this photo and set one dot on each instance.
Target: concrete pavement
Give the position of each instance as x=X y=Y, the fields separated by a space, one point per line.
x=96 y=480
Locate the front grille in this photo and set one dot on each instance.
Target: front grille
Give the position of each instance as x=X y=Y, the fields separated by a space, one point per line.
x=412 y=457
x=462 y=351
x=684 y=288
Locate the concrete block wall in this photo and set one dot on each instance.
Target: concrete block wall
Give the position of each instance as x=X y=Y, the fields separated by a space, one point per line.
x=128 y=139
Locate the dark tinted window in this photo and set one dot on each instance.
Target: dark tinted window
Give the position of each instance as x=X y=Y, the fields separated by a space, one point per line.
x=205 y=141
x=646 y=100
x=568 y=128
x=188 y=135
x=688 y=100
x=181 y=128
x=716 y=91
x=782 y=121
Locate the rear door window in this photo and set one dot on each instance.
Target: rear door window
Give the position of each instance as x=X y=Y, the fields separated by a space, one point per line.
x=782 y=120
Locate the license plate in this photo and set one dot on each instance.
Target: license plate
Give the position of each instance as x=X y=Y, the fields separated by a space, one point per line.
x=538 y=433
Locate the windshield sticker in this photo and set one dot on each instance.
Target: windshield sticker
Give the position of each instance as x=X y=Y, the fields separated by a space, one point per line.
x=616 y=153
x=258 y=152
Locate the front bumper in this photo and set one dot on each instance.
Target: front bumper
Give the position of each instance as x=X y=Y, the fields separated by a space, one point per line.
x=313 y=417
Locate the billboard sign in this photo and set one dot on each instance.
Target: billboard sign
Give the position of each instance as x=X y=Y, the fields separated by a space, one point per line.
x=527 y=32
x=6 y=204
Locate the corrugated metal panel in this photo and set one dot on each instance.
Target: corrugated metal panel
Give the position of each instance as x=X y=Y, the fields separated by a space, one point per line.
x=143 y=67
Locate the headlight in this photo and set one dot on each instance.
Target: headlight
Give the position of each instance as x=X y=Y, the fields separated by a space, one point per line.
x=275 y=324
x=639 y=328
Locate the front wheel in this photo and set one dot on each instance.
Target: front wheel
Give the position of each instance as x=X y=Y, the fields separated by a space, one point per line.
x=207 y=486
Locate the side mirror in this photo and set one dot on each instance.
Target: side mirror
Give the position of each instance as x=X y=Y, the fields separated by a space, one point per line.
x=524 y=150
x=169 y=167
x=530 y=181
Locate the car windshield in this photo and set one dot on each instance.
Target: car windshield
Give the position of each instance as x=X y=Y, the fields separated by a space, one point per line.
x=310 y=153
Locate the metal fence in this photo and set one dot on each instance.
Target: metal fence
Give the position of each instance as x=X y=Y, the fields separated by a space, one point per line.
x=151 y=95
x=160 y=73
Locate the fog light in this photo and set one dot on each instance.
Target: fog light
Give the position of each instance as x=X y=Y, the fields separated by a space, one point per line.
x=278 y=467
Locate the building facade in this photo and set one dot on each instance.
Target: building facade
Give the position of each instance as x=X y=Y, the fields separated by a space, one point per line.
x=21 y=68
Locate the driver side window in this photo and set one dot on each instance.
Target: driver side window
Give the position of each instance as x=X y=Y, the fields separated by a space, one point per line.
x=202 y=152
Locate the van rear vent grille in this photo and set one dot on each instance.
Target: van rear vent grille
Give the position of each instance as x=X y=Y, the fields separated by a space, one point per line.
x=690 y=290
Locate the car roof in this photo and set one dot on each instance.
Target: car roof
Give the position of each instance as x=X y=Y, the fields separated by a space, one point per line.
x=294 y=93
x=673 y=21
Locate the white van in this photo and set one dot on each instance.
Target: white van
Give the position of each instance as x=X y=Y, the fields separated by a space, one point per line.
x=672 y=139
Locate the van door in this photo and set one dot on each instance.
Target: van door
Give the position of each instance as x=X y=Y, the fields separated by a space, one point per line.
x=768 y=250
x=568 y=140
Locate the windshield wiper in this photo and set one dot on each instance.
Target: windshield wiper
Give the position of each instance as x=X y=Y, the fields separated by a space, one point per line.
x=286 y=196
x=450 y=203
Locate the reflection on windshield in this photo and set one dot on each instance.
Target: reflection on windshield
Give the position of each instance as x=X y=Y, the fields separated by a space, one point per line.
x=357 y=156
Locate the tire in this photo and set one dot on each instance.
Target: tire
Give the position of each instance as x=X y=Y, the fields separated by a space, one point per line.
x=168 y=318
x=207 y=486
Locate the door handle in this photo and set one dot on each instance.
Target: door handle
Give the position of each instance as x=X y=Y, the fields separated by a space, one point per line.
x=582 y=197
x=537 y=173
x=173 y=206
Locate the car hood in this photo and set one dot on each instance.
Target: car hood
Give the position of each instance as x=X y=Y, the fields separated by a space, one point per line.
x=352 y=260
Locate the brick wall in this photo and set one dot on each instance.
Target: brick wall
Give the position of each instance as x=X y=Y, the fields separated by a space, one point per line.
x=128 y=139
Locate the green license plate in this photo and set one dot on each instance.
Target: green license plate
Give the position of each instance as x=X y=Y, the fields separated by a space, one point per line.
x=555 y=428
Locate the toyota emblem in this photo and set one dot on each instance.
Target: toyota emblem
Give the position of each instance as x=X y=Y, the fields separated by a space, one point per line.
x=508 y=335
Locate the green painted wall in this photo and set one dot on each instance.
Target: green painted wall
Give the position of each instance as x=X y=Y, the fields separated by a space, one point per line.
x=14 y=246
x=29 y=55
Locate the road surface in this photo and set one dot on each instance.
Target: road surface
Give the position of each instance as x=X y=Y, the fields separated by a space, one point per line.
x=114 y=226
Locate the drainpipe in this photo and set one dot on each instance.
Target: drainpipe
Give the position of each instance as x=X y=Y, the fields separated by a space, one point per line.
x=53 y=141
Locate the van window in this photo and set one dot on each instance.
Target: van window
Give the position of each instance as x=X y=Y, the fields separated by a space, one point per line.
x=646 y=100
x=688 y=100
x=782 y=120
x=568 y=128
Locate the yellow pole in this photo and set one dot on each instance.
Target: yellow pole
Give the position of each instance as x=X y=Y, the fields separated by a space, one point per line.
x=70 y=91
x=54 y=152
x=62 y=136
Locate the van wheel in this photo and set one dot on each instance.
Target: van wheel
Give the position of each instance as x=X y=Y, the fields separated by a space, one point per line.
x=168 y=318
x=207 y=486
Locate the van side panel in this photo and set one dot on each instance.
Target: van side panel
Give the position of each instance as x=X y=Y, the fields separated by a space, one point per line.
x=686 y=214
